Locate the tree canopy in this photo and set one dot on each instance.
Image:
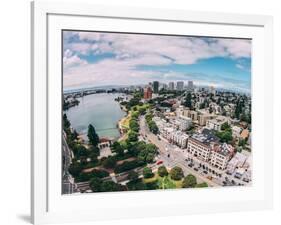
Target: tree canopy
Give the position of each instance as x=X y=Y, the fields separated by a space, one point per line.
x=176 y=173
x=147 y=172
x=162 y=171
x=188 y=100
x=92 y=135
x=189 y=181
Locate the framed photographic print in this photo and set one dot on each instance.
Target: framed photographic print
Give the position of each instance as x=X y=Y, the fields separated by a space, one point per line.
x=144 y=112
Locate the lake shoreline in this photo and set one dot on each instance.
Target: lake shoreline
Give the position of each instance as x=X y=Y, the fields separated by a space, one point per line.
x=102 y=111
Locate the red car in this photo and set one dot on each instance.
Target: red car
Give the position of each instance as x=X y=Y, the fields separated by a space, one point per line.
x=159 y=162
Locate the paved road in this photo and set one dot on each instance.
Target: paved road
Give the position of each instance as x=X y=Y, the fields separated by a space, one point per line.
x=170 y=154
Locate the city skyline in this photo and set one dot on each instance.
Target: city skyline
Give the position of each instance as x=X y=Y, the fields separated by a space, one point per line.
x=92 y=59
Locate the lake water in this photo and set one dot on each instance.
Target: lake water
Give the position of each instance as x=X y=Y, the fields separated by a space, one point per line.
x=101 y=111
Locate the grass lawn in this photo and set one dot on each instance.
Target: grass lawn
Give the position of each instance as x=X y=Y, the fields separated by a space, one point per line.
x=125 y=121
x=164 y=182
x=178 y=183
x=152 y=179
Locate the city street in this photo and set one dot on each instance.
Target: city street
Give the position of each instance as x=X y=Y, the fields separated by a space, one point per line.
x=171 y=155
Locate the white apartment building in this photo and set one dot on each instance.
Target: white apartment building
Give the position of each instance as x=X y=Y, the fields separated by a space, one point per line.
x=167 y=132
x=203 y=118
x=184 y=122
x=220 y=155
x=236 y=131
x=180 y=111
x=216 y=123
x=199 y=145
x=206 y=147
x=179 y=138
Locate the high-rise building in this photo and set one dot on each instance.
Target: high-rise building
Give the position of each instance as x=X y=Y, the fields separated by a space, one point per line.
x=190 y=85
x=147 y=93
x=180 y=85
x=171 y=86
x=164 y=86
x=155 y=86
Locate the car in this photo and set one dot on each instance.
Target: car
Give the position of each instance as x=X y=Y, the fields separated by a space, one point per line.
x=190 y=165
x=159 y=162
x=205 y=172
x=196 y=169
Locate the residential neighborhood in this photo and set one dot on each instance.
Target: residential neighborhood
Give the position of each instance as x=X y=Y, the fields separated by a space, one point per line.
x=197 y=132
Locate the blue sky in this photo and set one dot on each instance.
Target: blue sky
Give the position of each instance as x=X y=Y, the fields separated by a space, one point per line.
x=98 y=59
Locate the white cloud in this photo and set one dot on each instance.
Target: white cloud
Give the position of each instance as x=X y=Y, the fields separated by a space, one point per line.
x=70 y=60
x=132 y=51
x=236 y=48
x=183 y=50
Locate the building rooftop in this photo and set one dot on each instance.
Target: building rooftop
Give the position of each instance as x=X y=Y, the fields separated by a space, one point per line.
x=219 y=120
x=244 y=134
x=206 y=137
x=224 y=149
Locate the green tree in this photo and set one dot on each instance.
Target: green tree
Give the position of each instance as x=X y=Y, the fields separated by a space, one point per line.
x=133 y=176
x=132 y=136
x=242 y=142
x=148 y=153
x=147 y=172
x=118 y=148
x=162 y=171
x=94 y=150
x=176 y=173
x=153 y=127
x=109 y=162
x=95 y=184
x=225 y=126
x=99 y=173
x=225 y=136
x=239 y=108
x=109 y=186
x=66 y=122
x=188 y=101
x=142 y=110
x=189 y=181
x=202 y=185
x=148 y=117
x=82 y=177
x=134 y=126
x=92 y=135
x=75 y=169
x=80 y=151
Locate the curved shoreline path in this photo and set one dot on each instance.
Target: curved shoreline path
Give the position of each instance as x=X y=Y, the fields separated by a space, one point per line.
x=100 y=110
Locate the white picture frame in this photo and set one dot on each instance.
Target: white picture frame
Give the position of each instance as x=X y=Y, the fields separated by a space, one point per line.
x=47 y=206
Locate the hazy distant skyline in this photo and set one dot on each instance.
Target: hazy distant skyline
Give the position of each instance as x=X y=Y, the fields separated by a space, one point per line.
x=99 y=59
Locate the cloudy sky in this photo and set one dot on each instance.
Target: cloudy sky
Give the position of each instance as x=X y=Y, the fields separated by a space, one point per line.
x=97 y=59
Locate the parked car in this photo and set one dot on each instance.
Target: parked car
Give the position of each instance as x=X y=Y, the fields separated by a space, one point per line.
x=159 y=162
